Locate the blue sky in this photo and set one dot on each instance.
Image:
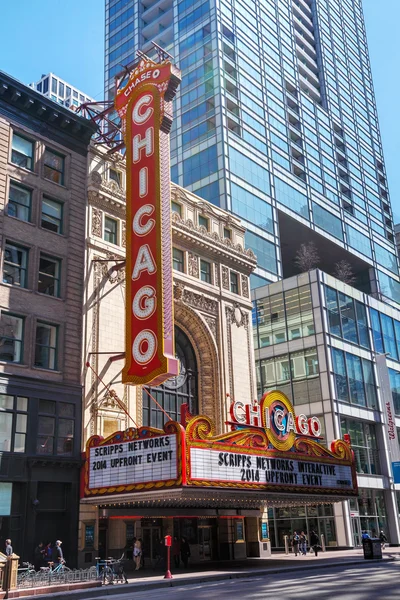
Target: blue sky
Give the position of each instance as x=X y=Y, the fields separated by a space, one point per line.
x=67 y=38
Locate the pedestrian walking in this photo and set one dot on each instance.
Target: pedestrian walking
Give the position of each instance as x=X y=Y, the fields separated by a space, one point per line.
x=383 y=539
x=295 y=543
x=38 y=556
x=48 y=553
x=185 y=552
x=176 y=552
x=9 y=548
x=137 y=553
x=303 y=544
x=58 y=554
x=314 y=542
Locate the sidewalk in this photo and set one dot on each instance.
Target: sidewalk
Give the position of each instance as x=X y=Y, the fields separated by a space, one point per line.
x=216 y=571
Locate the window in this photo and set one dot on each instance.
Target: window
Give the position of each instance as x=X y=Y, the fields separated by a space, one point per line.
x=52 y=215
x=354 y=379
x=178 y=261
x=177 y=208
x=11 y=337
x=68 y=92
x=227 y=233
x=363 y=444
x=89 y=536
x=54 y=85
x=61 y=89
x=19 y=202
x=111 y=230
x=114 y=176
x=22 y=152
x=54 y=166
x=234 y=283
x=56 y=425
x=205 y=271
x=15 y=265
x=347 y=318
x=13 y=423
x=49 y=276
x=263 y=249
x=204 y=222
x=46 y=346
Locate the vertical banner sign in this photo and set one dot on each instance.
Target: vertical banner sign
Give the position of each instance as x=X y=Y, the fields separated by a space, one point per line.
x=388 y=412
x=145 y=107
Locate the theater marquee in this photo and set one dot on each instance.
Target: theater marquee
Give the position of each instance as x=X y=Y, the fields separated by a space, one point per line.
x=145 y=107
x=249 y=457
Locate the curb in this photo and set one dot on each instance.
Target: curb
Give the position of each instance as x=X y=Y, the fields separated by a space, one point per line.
x=142 y=586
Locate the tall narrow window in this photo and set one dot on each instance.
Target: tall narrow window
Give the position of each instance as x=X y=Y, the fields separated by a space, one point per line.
x=49 y=276
x=178 y=260
x=22 y=152
x=204 y=222
x=115 y=176
x=54 y=166
x=205 y=271
x=177 y=208
x=11 y=337
x=234 y=283
x=52 y=215
x=15 y=265
x=111 y=230
x=13 y=423
x=46 y=346
x=19 y=202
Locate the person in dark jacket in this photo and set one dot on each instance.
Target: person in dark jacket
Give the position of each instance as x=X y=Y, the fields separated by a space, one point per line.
x=185 y=552
x=314 y=542
x=176 y=551
x=38 y=556
x=58 y=555
x=48 y=553
x=295 y=542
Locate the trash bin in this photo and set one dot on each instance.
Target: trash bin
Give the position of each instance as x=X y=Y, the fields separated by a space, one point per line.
x=372 y=548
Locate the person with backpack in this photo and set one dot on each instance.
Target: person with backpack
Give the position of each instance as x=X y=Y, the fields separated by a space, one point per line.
x=295 y=542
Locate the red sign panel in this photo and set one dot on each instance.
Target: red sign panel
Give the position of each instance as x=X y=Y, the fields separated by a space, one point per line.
x=144 y=105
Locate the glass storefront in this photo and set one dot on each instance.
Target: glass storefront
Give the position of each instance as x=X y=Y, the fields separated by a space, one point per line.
x=283 y=521
x=368 y=512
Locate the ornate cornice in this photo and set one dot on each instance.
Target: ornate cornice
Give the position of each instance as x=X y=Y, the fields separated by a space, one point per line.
x=212 y=241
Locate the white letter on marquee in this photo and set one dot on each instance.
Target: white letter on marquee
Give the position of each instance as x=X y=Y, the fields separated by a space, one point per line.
x=143 y=181
x=137 y=226
x=144 y=302
x=290 y=426
x=144 y=262
x=136 y=116
x=139 y=143
x=278 y=416
x=137 y=347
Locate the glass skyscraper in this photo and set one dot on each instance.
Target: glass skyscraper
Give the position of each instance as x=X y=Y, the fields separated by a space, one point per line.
x=275 y=121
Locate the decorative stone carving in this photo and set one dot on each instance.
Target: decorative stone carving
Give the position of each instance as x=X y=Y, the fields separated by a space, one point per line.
x=225 y=278
x=114 y=273
x=212 y=323
x=216 y=274
x=95 y=178
x=235 y=314
x=97 y=222
x=178 y=291
x=245 y=286
x=200 y=302
x=193 y=264
x=123 y=234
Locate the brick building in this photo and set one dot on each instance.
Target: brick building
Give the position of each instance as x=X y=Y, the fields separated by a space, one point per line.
x=43 y=167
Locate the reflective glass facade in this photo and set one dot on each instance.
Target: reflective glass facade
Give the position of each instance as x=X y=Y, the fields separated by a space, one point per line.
x=275 y=115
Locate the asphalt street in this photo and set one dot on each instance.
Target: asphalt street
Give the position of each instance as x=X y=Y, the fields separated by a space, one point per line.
x=366 y=582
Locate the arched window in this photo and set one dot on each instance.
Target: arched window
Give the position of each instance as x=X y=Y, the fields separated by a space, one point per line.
x=175 y=391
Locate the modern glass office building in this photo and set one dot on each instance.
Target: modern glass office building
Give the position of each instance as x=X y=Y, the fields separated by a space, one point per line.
x=275 y=121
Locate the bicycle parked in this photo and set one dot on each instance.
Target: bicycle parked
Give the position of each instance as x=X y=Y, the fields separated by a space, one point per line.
x=110 y=570
x=26 y=573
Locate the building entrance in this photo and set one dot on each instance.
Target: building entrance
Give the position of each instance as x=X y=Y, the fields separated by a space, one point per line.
x=205 y=542
x=356 y=530
x=151 y=545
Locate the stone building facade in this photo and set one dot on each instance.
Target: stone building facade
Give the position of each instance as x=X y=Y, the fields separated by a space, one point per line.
x=43 y=163
x=212 y=325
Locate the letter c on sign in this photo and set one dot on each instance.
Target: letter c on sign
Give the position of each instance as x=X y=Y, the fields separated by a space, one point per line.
x=144 y=302
x=139 y=118
x=137 y=225
x=141 y=356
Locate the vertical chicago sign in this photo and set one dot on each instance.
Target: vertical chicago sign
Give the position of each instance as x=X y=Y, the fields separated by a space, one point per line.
x=145 y=107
